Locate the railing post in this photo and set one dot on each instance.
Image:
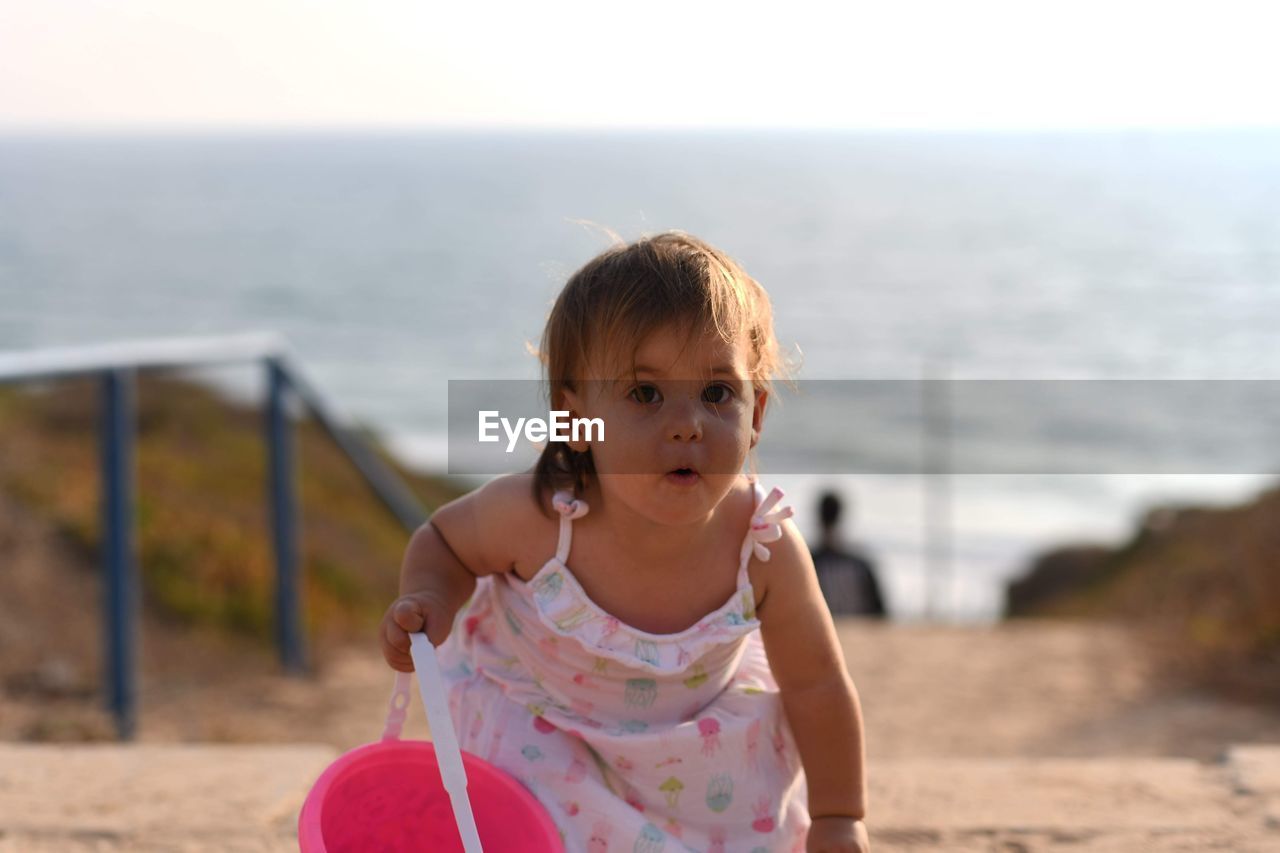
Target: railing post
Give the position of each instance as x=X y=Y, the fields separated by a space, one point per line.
x=289 y=631
x=120 y=593
x=936 y=438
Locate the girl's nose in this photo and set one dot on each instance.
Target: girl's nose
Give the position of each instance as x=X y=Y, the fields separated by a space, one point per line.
x=686 y=422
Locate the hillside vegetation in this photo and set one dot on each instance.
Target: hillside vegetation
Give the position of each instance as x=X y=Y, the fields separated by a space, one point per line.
x=202 y=522
x=1203 y=585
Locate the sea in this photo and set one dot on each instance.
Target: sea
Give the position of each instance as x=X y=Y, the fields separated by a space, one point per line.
x=394 y=262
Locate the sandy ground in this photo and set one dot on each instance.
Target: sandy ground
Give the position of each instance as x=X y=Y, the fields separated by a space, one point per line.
x=242 y=798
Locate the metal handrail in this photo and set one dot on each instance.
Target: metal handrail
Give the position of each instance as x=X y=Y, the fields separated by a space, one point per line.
x=117 y=364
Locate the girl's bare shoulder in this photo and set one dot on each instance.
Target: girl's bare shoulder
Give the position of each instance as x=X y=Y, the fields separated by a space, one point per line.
x=493 y=528
x=532 y=523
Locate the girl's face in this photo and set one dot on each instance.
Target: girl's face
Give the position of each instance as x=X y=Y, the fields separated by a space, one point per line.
x=690 y=406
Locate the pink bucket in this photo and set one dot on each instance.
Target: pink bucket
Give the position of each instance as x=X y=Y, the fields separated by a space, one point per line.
x=389 y=797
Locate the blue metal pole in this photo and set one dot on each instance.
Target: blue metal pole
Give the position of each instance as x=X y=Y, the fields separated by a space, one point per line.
x=120 y=595
x=289 y=630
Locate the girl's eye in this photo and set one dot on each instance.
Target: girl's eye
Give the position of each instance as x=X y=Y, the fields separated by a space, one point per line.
x=640 y=390
x=725 y=393
x=713 y=394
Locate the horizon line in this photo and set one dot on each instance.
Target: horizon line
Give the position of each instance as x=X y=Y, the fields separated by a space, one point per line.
x=300 y=129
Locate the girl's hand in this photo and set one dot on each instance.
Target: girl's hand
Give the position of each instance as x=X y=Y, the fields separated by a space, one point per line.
x=410 y=614
x=837 y=835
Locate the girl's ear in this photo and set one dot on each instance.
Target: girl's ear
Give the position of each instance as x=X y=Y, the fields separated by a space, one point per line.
x=757 y=416
x=569 y=401
x=572 y=403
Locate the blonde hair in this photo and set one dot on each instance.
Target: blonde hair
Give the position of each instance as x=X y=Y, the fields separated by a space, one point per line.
x=610 y=305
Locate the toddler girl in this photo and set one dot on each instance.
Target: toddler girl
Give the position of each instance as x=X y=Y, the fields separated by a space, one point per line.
x=632 y=693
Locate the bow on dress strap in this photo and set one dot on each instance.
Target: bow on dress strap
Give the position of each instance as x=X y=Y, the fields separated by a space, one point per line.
x=568 y=507
x=766 y=525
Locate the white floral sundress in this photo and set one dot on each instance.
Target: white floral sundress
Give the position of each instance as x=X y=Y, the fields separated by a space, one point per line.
x=634 y=742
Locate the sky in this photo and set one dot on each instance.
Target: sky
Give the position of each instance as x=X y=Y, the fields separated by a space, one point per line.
x=961 y=64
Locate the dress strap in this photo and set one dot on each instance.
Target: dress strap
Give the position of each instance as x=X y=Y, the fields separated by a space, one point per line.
x=569 y=508
x=766 y=526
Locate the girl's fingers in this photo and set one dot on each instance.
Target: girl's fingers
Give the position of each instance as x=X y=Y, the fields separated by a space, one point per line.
x=396 y=637
x=408 y=615
x=397 y=657
x=400 y=664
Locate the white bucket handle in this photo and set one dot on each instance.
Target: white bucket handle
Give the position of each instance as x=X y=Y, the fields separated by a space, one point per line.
x=443 y=737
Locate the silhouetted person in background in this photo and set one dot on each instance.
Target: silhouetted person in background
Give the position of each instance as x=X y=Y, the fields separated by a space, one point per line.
x=847 y=578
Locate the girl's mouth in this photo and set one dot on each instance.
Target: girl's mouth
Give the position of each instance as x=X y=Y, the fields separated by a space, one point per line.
x=682 y=476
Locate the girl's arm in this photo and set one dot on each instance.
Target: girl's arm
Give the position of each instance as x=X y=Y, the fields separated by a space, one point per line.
x=464 y=539
x=818 y=695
